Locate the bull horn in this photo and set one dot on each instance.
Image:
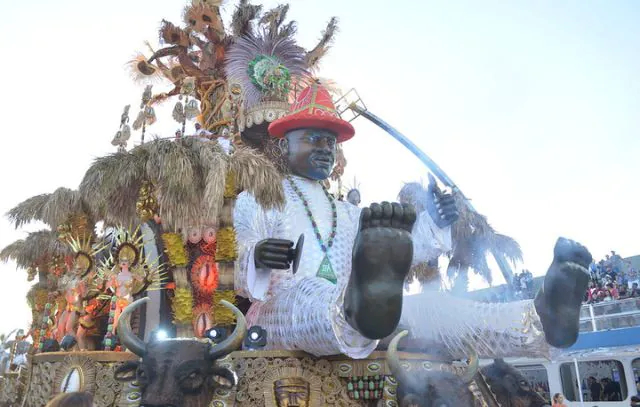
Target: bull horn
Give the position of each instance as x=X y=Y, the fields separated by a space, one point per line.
x=474 y=365
x=234 y=341
x=127 y=338
x=392 y=357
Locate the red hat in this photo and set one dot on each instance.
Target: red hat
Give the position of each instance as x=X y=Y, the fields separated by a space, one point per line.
x=313 y=109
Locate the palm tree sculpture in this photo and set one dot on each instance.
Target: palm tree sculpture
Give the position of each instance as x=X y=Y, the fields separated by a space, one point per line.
x=472 y=237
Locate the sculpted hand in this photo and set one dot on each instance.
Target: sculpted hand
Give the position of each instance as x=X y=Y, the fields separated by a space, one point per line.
x=274 y=254
x=441 y=206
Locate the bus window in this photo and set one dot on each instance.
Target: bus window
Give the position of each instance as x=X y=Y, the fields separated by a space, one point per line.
x=635 y=365
x=537 y=377
x=601 y=380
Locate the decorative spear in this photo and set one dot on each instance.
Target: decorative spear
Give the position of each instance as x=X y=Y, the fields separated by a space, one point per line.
x=351 y=102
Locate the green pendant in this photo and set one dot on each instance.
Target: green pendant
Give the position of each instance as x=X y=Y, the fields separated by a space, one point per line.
x=326 y=271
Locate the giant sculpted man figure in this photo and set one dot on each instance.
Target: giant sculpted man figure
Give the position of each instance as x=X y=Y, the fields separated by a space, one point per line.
x=347 y=293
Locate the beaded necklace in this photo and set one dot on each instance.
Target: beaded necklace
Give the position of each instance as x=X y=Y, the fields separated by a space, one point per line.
x=325 y=270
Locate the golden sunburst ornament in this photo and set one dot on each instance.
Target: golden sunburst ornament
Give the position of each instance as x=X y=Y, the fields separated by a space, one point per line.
x=129 y=245
x=76 y=373
x=84 y=253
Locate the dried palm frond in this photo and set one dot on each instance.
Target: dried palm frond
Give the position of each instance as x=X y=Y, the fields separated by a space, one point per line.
x=28 y=211
x=272 y=20
x=110 y=186
x=188 y=176
x=15 y=251
x=37 y=248
x=215 y=169
x=62 y=204
x=242 y=18
x=288 y=30
x=174 y=35
x=314 y=56
x=52 y=209
x=256 y=174
x=174 y=169
x=473 y=238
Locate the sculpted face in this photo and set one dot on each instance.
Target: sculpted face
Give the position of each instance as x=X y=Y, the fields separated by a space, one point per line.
x=311 y=153
x=292 y=392
x=353 y=197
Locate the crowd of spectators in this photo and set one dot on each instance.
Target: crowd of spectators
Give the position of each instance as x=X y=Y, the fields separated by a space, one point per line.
x=522 y=285
x=610 y=279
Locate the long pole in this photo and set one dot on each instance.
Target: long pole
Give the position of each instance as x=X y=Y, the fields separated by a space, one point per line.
x=505 y=268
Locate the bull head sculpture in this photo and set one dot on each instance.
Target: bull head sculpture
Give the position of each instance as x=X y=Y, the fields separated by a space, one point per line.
x=431 y=389
x=510 y=387
x=178 y=372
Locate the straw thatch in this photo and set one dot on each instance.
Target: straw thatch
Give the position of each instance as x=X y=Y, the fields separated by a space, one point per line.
x=189 y=178
x=52 y=209
x=258 y=175
x=37 y=249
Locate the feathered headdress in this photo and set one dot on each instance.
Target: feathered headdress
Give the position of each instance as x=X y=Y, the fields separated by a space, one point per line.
x=265 y=67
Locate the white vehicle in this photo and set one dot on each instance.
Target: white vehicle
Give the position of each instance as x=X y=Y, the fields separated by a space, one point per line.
x=608 y=348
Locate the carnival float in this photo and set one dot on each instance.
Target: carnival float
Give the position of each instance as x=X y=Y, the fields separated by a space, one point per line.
x=225 y=267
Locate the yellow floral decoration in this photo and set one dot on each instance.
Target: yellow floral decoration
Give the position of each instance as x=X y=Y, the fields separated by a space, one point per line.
x=221 y=314
x=227 y=250
x=175 y=250
x=182 y=306
x=230 y=185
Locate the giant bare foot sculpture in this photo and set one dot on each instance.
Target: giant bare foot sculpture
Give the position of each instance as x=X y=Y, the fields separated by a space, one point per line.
x=382 y=255
x=559 y=300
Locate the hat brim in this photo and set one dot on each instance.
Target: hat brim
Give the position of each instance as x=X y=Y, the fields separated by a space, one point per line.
x=343 y=129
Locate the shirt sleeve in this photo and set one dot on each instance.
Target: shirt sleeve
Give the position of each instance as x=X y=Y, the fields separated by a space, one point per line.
x=252 y=224
x=429 y=240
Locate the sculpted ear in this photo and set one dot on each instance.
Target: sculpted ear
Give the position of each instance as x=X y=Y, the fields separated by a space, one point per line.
x=224 y=377
x=126 y=372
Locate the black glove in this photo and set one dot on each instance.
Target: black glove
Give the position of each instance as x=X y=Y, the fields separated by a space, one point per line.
x=274 y=254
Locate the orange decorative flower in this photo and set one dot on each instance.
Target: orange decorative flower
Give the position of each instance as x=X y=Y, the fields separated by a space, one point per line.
x=204 y=274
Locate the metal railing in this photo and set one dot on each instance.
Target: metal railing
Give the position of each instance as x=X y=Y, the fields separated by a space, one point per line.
x=608 y=315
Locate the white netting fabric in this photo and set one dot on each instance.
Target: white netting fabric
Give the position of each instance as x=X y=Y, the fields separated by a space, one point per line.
x=304 y=312
x=493 y=329
x=307 y=317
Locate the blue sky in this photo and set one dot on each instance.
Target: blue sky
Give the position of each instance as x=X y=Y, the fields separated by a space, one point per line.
x=530 y=106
